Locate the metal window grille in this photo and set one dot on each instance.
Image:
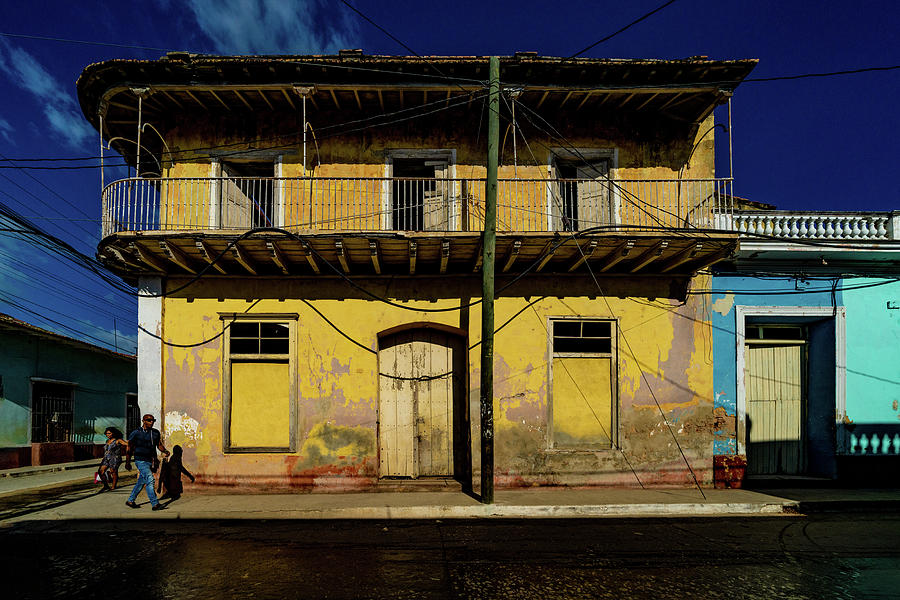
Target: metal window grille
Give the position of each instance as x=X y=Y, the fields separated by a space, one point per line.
x=132 y=413
x=51 y=412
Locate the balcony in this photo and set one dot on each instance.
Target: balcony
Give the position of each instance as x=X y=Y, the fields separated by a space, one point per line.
x=408 y=204
x=368 y=224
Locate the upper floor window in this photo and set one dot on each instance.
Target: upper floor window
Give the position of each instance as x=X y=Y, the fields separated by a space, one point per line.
x=247 y=195
x=582 y=195
x=420 y=190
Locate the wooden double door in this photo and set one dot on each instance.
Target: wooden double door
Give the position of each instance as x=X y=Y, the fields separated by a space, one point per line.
x=421 y=411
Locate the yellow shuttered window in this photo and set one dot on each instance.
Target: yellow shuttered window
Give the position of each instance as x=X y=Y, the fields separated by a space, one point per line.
x=583 y=388
x=259 y=385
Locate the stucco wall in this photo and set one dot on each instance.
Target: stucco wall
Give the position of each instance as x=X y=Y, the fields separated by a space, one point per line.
x=664 y=364
x=99 y=398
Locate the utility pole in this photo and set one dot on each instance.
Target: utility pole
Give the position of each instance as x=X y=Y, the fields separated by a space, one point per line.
x=487 y=287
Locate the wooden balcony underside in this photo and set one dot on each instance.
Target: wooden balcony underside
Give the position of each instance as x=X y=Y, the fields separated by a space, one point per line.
x=224 y=253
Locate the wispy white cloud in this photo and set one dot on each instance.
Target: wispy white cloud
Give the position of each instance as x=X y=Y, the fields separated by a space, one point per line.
x=6 y=131
x=275 y=26
x=59 y=106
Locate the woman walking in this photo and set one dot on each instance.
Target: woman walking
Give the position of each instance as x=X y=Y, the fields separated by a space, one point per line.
x=112 y=458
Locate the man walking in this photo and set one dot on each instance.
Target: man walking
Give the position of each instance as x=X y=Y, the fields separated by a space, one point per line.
x=143 y=443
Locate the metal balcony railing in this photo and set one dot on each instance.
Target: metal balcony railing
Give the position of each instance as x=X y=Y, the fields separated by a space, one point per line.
x=411 y=204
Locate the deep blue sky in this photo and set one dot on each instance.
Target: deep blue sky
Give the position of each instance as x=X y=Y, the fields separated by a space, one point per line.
x=811 y=144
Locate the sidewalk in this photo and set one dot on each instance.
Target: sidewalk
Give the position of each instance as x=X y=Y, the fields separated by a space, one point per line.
x=517 y=503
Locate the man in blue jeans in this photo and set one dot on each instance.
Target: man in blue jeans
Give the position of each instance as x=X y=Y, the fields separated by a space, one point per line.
x=143 y=443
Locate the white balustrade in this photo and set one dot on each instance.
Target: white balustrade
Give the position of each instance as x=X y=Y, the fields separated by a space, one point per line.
x=824 y=226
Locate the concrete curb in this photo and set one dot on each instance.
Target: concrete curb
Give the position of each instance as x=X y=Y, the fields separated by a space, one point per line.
x=388 y=513
x=42 y=469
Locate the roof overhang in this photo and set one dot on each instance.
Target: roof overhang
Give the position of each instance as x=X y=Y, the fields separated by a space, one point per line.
x=685 y=91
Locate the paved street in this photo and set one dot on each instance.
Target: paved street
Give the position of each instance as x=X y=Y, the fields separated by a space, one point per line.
x=829 y=555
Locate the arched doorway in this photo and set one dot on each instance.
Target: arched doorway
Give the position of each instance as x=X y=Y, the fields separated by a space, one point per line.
x=422 y=416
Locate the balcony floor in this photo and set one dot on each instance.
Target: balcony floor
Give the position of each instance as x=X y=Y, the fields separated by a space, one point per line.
x=314 y=253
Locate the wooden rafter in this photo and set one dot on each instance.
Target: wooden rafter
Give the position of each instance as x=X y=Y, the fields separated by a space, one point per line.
x=262 y=94
x=381 y=100
x=242 y=259
x=311 y=259
x=547 y=253
x=646 y=102
x=242 y=99
x=278 y=257
x=513 y=254
x=445 y=255
x=413 y=250
x=541 y=101
x=195 y=99
x=177 y=256
x=566 y=99
x=584 y=254
x=341 y=255
x=358 y=101
x=583 y=100
x=288 y=98
x=373 y=255
x=147 y=258
x=206 y=253
x=681 y=257
x=649 y=255
x=174 y=100
x=222 y=102
x=334 y=97
x=616 y=256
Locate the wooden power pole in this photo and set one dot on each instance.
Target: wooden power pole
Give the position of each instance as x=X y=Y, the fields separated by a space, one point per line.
x=487 y=287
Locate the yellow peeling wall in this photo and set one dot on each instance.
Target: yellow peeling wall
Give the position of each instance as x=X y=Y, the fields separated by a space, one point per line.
x=664 y=374
x=357 y=204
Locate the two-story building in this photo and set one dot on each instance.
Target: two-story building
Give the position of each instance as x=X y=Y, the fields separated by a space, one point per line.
x=306 y=234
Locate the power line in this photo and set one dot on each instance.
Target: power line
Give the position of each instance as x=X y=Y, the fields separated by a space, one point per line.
x=615 y=33
x=45 y=38
x=827 y=74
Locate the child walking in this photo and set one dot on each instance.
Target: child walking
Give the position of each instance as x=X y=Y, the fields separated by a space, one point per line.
x=170 y=475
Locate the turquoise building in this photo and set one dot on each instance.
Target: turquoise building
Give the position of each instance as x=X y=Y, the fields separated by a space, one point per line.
x=58 y=395
x=806 y=338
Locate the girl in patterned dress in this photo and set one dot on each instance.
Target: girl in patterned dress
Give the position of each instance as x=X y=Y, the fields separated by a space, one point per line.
x=112 y=458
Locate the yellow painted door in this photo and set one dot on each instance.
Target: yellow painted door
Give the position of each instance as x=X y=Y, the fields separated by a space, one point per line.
x=774 y=393
x=415 y=404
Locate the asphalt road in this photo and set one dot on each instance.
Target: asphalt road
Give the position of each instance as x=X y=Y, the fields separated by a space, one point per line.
x=818 y=556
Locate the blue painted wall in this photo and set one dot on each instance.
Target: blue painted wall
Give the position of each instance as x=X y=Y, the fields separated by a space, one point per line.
x=872 y=354
x=755 y=291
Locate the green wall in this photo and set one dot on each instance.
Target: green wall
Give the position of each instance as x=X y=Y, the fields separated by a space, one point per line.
x=103 y=379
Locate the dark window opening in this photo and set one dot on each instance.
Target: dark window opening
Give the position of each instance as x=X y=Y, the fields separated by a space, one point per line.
x=132 y=413
x=51 y=412
x=582 y=337
x=582 y=194
x=259 y=338
x=419 y=192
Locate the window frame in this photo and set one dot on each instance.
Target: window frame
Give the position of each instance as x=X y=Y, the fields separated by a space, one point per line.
x=612 y=355
x=70 y=385
x=291 y=319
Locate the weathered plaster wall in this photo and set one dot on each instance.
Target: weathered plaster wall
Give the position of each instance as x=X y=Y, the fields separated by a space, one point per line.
x=664 y=365
x=749 y=291
x=666 y=154
x=99 y=398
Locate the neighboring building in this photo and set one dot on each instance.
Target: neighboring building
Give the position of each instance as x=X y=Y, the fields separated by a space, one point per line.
x=807 y=347
x=58 y=395
x=346 y=354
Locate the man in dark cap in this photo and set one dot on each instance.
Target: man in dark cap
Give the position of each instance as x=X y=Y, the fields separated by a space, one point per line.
x=142 y=444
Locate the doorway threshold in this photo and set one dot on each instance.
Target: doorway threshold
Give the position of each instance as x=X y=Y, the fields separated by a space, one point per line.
x=422 y=484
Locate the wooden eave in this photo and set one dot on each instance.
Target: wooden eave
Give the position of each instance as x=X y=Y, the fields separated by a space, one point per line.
x=346 y=87
x=350 y=253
